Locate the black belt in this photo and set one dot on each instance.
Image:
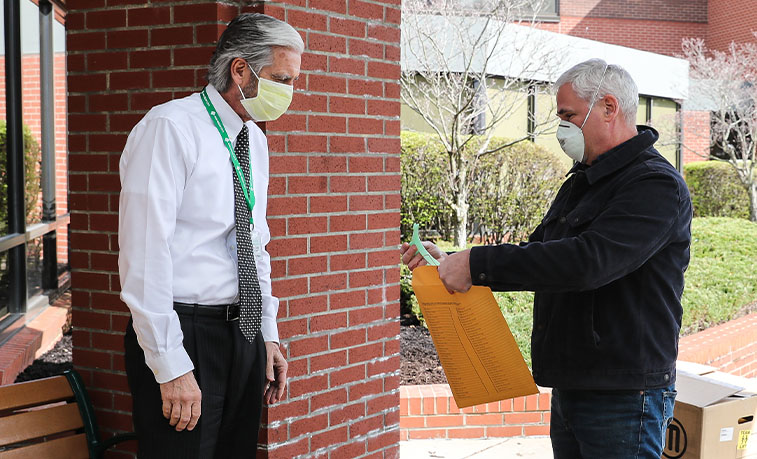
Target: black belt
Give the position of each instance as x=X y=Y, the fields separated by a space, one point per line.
x=228 y=312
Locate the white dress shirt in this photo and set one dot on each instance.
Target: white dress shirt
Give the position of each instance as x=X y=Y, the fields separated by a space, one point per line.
x=176 y=224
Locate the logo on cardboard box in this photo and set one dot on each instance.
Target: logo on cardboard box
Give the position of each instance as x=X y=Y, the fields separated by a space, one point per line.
x=675 y=440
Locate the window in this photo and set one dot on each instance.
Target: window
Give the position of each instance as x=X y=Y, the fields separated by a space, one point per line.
x=33 y=201
x=545 y=10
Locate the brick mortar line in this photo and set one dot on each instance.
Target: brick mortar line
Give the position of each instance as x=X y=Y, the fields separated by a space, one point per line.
x=582 y=18
x=329 y=14
x=382 y=321
x=348 y=76
x=288 y=420
x=367 y=436
x=363 y=97
x=329 y=333
x=287 y=298
x=330 y=351
x=364 y=363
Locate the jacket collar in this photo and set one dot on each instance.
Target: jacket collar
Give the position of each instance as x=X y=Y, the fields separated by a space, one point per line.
x=619 y=156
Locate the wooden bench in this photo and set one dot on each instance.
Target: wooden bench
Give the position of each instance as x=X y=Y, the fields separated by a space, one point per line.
x=50 y=418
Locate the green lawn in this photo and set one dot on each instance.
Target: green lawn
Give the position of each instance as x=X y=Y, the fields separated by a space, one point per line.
x=722 y=277
x=720 y=283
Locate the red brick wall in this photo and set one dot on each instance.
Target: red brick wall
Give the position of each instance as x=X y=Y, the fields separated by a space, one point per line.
x=657 y=10
x=334 y=208
x=730 y=347
x=430 y=411
x=696 y=136
x=731 y=21
x=663 y=37
x=334 y=214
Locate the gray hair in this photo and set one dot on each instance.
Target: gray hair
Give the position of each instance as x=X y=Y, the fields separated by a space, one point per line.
x=586 y=76
x=251 y=37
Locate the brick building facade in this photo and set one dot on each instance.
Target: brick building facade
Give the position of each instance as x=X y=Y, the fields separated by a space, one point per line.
x=333 y=208
x=656 y=26
x=730 y=21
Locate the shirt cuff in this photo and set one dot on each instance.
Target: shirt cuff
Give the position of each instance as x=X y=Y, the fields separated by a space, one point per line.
x=269 y=329
x=170 y=365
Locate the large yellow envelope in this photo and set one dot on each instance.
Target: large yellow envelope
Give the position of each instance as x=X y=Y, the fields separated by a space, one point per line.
x=476 y=348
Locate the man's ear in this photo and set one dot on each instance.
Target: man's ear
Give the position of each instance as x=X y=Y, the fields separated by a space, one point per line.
x=610 y=106
x=236 y=70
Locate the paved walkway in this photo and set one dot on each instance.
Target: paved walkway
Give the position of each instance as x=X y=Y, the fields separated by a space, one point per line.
x=495 y=448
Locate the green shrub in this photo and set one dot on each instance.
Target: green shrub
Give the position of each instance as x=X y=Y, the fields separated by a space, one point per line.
x=423 y=164
x=32 y=158
x=716 y=190
x=518 y=309
x=510 y=189
x=513 y=191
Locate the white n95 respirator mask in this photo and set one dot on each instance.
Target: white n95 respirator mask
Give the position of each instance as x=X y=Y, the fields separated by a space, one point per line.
x=571 y=137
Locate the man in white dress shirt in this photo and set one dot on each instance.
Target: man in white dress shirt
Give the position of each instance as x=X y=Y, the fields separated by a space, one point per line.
x=193 y=171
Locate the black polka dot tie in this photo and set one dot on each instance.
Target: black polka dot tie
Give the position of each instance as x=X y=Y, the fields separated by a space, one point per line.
x=250 y=299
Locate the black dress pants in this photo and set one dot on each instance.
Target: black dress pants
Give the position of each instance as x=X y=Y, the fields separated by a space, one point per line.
x=231 y=374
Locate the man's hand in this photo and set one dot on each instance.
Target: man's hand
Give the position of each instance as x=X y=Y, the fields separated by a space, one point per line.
x=413 y=259
x=182 y=401
x=455 y=272
x=275 y=372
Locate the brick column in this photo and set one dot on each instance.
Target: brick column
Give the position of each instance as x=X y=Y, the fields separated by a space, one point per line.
x=334 y=216
x=123 y=57
x=334 y=208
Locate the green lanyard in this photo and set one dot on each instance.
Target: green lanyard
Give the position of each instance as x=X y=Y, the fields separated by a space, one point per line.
x=249 y=193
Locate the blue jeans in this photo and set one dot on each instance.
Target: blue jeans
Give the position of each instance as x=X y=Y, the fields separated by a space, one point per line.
x=610 y=424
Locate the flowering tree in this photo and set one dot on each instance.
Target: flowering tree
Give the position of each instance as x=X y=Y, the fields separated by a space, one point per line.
x=726 y=82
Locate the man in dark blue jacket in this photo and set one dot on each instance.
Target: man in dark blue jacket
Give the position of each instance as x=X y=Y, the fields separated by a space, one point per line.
x=607 y=264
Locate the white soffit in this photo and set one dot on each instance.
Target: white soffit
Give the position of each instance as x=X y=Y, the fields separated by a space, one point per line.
x=541 y=55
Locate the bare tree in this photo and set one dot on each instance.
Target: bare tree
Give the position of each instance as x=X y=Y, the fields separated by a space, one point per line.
x=468 y=65
x=727 y=83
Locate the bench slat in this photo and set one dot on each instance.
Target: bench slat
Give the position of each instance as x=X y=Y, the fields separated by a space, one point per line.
x=32 y=393
x=73 y=447
x=39 y=423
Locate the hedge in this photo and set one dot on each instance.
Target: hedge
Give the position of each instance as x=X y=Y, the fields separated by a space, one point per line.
x=511 y=189
x=716 y=190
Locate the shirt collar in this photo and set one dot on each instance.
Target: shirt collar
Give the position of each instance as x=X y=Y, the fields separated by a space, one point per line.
x=619 y=156
x=231 y=121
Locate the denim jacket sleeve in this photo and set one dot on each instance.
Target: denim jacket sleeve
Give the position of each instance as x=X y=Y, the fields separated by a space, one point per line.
x=599 y=245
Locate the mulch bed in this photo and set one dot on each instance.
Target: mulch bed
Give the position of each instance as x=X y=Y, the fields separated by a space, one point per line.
x=419 y=363
x=51 y=363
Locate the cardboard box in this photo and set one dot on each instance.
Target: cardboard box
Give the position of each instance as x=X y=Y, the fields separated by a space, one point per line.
x=714 y=415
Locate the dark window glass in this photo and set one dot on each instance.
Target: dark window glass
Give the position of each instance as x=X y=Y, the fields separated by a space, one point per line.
x=3 y=160
x=546 y=10
x=4 y=280
x=34 y=267
x=31 y=109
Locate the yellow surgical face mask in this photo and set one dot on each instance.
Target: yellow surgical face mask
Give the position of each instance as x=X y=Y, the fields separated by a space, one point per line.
x=272 y=100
